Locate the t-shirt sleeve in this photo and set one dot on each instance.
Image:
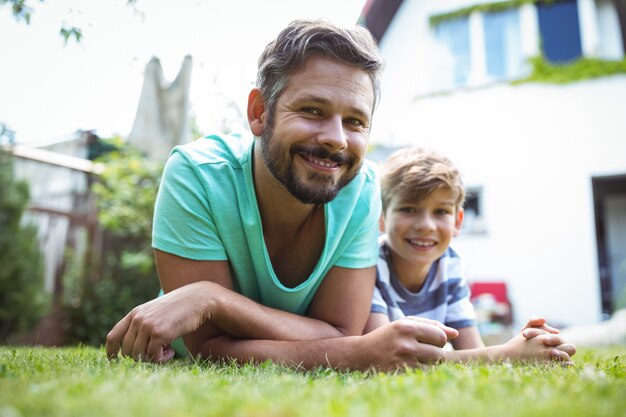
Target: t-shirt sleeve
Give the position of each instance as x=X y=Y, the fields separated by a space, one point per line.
x=363 y=249
x=378 y=303
x=460 y=311
x=183 y=222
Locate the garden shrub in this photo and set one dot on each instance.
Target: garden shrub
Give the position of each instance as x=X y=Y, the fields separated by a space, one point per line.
x=124 y=274
x=23 y=300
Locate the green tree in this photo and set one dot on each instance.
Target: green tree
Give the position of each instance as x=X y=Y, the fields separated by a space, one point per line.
x=126 y=274
x=22 y=11
x=22 y=297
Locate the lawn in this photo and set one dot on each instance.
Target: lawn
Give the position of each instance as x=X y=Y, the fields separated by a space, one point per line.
x=81 y=382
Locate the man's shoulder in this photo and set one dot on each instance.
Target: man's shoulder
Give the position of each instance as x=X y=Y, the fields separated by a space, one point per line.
x=217 y=148
x=366 y=184
x=369 y=171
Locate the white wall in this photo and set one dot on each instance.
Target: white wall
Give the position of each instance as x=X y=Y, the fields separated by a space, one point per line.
x=534 y=149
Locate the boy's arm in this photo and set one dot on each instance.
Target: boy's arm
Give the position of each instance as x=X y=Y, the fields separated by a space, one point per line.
x=468 y=338
x=544 y=347
x=374 y=321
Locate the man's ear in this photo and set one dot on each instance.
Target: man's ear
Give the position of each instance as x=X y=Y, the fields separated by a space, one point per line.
x=256 y=112
x=458 y=222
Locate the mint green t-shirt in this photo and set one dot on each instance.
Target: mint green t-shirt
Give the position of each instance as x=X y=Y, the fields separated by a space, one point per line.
x=206 y=209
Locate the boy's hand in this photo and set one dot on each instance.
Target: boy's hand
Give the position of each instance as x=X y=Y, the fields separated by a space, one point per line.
x=543 y=346
x=538 y=326
x=540 y=323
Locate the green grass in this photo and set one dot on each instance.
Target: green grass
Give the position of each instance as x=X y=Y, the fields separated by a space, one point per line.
x=81 y=382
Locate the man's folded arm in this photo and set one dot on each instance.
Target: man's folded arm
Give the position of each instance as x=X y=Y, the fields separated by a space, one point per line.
x=339 y=308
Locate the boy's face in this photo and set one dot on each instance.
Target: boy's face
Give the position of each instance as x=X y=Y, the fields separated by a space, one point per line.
x=419 y=232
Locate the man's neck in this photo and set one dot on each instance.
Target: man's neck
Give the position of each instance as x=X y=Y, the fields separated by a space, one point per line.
x=294 y=232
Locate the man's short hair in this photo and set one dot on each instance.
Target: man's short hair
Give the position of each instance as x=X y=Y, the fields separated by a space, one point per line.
x=415 y=173
x=302 y=39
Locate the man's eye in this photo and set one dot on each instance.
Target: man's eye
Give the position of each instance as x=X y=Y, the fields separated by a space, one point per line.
x=354 y=122
x=312 y=110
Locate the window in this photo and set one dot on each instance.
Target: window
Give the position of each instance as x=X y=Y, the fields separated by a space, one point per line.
x=474 y=220
x=560 y=30
x=453 y=37
x=503 y=45
x=477 y=48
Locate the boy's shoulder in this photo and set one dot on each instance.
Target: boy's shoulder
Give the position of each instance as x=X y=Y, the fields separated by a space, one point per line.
x=451 y=253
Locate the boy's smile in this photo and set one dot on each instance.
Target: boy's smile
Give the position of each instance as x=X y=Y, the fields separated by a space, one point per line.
x=419 y=232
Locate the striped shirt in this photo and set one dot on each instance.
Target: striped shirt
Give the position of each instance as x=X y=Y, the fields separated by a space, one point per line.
x=445 y=295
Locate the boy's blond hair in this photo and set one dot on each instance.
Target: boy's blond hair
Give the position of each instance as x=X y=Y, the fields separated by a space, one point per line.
x=415 y=173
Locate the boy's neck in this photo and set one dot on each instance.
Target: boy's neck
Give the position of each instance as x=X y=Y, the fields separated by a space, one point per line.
x=411 y=276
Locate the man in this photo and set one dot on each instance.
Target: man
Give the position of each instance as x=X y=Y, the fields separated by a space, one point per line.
x=266 y=249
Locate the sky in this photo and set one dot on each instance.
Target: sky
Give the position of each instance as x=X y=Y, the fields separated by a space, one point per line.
x=48 y=89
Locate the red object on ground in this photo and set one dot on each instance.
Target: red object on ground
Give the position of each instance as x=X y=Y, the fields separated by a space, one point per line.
x=498 y=289
x=502 y=311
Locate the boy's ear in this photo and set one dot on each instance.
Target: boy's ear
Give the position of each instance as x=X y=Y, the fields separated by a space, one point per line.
x=256 y=111
x=458 y=222
x=381 y=223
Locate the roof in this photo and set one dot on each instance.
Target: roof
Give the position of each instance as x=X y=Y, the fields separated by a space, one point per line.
x=54 y=158
x=377 y=16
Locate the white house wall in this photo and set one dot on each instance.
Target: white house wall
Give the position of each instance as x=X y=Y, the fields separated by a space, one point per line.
x=533 y=149
x=609 y=31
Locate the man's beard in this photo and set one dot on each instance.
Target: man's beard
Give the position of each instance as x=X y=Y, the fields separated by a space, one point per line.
x=317 y=188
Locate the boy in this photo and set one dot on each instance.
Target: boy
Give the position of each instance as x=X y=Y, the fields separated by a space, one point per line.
x=420 y=275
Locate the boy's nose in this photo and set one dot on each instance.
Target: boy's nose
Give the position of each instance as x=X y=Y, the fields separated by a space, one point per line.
x=424 y=222
x=332 y=135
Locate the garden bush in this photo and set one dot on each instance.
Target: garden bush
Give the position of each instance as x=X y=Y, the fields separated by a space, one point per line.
x=123 y=274
x=22 y=297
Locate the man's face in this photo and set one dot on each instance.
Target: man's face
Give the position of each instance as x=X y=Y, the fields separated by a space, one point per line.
x=316 y=140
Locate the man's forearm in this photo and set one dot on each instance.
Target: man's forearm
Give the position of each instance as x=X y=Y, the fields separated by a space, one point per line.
x=388 y=348
x=339 y=352
x=242 y=317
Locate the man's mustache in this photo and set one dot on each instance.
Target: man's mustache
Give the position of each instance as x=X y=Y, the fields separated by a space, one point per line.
x=343 y=158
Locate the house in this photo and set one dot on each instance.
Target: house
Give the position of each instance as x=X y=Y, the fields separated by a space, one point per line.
x=59 y=174
x=544 y=162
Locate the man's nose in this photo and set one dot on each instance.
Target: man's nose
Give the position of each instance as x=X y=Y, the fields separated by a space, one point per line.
x=333 y=134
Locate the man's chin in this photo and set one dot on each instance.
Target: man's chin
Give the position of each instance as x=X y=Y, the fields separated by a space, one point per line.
x=315 y=197
x=318 y=187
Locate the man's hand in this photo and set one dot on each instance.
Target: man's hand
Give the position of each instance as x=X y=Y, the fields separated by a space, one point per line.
x=146 y=332
x=410 y=341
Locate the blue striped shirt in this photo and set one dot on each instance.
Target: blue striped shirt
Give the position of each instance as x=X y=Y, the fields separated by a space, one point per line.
x=445 y=295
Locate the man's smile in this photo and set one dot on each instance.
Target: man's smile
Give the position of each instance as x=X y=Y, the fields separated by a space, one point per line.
x=320 y=162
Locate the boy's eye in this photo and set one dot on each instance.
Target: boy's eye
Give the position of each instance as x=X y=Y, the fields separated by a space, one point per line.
x=442 y=212
x=406 y=210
